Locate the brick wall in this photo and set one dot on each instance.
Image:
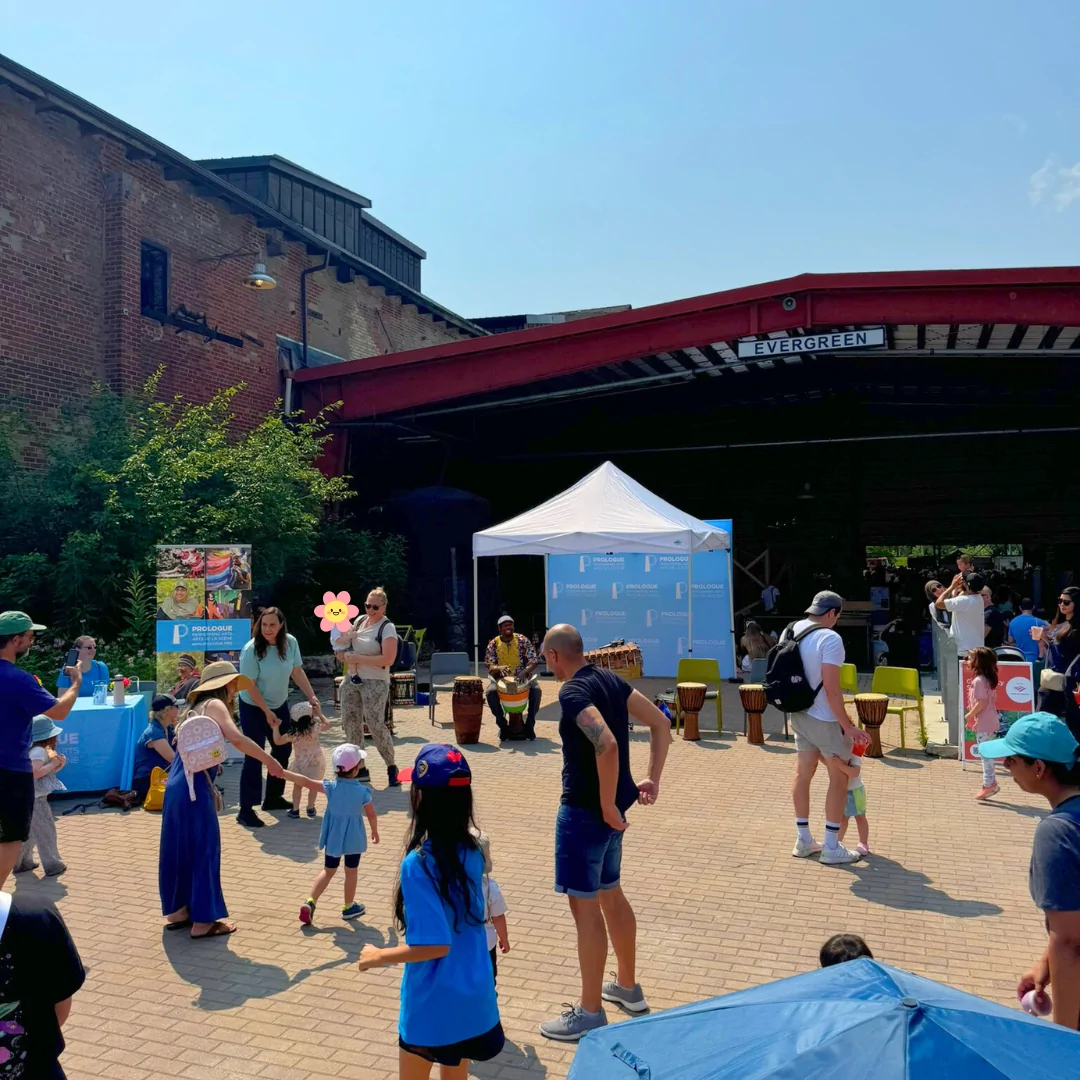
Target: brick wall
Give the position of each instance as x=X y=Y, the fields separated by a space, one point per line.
x=73 y=211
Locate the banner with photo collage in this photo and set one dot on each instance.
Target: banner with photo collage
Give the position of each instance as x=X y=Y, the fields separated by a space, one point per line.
x=203 y=608
x=643 y=599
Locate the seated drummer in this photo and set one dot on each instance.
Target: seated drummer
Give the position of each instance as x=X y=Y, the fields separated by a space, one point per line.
x=508 y=655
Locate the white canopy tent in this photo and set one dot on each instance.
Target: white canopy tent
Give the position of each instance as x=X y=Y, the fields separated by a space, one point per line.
x=606 y=511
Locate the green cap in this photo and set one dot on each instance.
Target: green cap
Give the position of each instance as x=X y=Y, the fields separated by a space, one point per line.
x=17 y=622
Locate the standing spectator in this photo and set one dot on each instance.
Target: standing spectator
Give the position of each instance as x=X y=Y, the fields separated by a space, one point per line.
x=269 y=660
x=824 y=731
x=40 y=972
x=22 y=697
x=770 y=596
x=963 y=601
x=93 y=670
x=994 y=625
x=597 y=791
x=1041 y=754
x=375 y=638
x=189 y=855
x=1062 y=641
x=1020 y=633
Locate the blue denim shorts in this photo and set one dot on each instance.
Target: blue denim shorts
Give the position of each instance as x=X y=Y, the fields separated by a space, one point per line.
x=588 y=853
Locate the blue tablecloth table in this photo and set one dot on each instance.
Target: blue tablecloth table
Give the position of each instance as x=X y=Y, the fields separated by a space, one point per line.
x=99 y=743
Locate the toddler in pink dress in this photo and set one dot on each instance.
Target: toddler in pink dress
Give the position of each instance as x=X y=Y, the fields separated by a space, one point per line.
x=307 y=759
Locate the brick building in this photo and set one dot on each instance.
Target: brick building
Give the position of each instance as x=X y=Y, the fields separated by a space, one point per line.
x=118 y=255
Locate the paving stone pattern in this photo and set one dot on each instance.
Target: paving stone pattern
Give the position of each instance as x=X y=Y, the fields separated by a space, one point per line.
x=721 y=905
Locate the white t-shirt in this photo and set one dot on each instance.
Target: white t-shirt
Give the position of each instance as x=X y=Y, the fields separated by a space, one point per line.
x=968 y=625
x=366 y=643
x=855 y=782
x=819 y=648
x=494 y=904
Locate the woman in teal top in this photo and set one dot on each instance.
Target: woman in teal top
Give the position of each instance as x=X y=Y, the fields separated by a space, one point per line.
x=94 y=671
x=271 y=659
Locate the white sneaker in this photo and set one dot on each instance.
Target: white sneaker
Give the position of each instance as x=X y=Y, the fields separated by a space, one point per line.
x=803 y=850
x=838 y=856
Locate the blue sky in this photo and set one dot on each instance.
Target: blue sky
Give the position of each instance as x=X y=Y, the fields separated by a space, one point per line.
x=573 y=153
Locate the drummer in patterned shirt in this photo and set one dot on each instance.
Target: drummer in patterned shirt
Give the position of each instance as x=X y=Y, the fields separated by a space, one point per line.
x=512 y=654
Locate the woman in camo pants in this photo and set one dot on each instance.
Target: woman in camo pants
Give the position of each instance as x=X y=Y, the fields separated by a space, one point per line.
x=363 y=696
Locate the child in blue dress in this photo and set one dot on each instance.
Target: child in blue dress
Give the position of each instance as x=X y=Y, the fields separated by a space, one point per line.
x=449 y=1013
x=348 y=802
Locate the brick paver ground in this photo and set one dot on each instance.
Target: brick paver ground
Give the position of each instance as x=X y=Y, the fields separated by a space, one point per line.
x=721 y=905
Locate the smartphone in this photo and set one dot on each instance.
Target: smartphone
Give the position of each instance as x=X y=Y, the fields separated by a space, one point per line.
x=72 y=658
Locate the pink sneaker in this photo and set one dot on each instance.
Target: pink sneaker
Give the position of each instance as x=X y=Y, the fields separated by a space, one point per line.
x=862 y=849
x=986 y=792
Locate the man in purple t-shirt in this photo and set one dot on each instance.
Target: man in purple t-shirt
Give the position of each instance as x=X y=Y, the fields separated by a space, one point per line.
x=22 y=698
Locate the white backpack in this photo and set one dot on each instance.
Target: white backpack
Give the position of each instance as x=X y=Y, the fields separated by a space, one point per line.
x=201 y=746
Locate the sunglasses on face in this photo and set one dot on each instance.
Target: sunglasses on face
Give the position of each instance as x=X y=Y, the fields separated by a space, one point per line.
x=89 y=648
x=373 y=607
x=1064 y=602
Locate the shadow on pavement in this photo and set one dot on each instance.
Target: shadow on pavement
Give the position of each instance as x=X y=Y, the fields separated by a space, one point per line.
x=31 y=884
x=885 y=882
x=522 y=1058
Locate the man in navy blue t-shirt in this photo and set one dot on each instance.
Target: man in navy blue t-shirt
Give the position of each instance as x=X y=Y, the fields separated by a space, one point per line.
x=597 y=791
x=22 y=698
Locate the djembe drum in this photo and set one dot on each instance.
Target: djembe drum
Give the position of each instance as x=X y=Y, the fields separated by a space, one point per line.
x=468 y=709
x=691 y=699
x=403 y=688
x=514 y=698
x=872 y=709
x=753 y=700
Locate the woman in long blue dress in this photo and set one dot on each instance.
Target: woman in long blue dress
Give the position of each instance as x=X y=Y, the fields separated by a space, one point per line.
x=189 y=860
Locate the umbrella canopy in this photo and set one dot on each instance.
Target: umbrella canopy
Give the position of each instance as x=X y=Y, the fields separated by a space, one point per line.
x=605 y=511
x=856 y=1021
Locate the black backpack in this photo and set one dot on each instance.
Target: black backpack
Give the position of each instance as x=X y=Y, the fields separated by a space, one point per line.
x=785 y=677
x=399 y=663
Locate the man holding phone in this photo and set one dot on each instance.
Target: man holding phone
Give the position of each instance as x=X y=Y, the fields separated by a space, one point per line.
x=22 y=697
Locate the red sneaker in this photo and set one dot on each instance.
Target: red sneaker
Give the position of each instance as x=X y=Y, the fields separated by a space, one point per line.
x=307 y=912
x=986 y=792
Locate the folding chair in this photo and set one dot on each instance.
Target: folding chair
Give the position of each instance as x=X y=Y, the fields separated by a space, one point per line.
x=904 y=683
x=444 y=666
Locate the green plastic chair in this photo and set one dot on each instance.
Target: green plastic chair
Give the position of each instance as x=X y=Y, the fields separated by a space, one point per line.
x=701 y=671
x=899 y=682
x=849 y=681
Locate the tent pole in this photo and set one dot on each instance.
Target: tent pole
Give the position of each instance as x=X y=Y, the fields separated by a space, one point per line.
x=690 y=598
x=476 y=614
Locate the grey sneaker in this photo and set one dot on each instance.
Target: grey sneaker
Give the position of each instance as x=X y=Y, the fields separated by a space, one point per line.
x=633 y=1000
x=572 y=1024
x=838 y=856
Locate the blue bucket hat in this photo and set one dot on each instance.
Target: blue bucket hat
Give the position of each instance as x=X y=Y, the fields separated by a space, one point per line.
x=44 y=729
x=1041 y=736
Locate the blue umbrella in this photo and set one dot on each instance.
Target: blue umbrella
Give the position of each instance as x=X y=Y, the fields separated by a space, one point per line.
x=853 y=1021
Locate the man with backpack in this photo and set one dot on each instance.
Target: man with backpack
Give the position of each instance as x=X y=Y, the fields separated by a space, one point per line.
x=803 y=679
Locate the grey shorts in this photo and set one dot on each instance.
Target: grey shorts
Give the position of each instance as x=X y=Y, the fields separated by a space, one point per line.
x=823 y=735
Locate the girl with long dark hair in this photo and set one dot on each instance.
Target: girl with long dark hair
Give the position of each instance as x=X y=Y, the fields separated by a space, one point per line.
x=449 y=1013
x=269 y=660
x=982 y=715
x=1062 y=648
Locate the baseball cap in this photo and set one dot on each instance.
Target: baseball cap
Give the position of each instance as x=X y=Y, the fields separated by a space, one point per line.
x=504 y=618
x=975 y=581
x=438 y=765
x=17 y=622
x=824 y=602
x=163 y=701
x=347 y=756
x=1041 y=736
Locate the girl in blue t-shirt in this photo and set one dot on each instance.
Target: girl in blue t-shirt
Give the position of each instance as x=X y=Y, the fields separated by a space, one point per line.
x=449 y=1014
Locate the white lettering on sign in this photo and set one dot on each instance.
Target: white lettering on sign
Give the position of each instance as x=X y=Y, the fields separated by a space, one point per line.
x=871 y=337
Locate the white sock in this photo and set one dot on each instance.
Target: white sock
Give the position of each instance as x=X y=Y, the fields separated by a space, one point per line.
x=832 y=834
x=804 y=830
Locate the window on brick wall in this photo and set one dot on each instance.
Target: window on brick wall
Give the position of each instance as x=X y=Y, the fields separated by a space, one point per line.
x=154 y=279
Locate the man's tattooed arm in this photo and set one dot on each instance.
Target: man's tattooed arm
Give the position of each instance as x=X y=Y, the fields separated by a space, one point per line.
x=592 y=726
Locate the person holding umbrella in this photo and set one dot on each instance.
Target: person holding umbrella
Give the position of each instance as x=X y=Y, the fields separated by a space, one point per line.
x=1041 y=754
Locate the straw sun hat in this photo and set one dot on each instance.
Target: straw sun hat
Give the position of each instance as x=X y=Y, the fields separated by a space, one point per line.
x=219 y=673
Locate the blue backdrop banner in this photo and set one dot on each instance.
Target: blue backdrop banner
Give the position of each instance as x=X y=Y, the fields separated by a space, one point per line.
x=202 y=635
x=644 y=599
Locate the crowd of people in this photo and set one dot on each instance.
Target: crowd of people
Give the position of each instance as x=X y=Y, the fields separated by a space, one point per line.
x=451 y=912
